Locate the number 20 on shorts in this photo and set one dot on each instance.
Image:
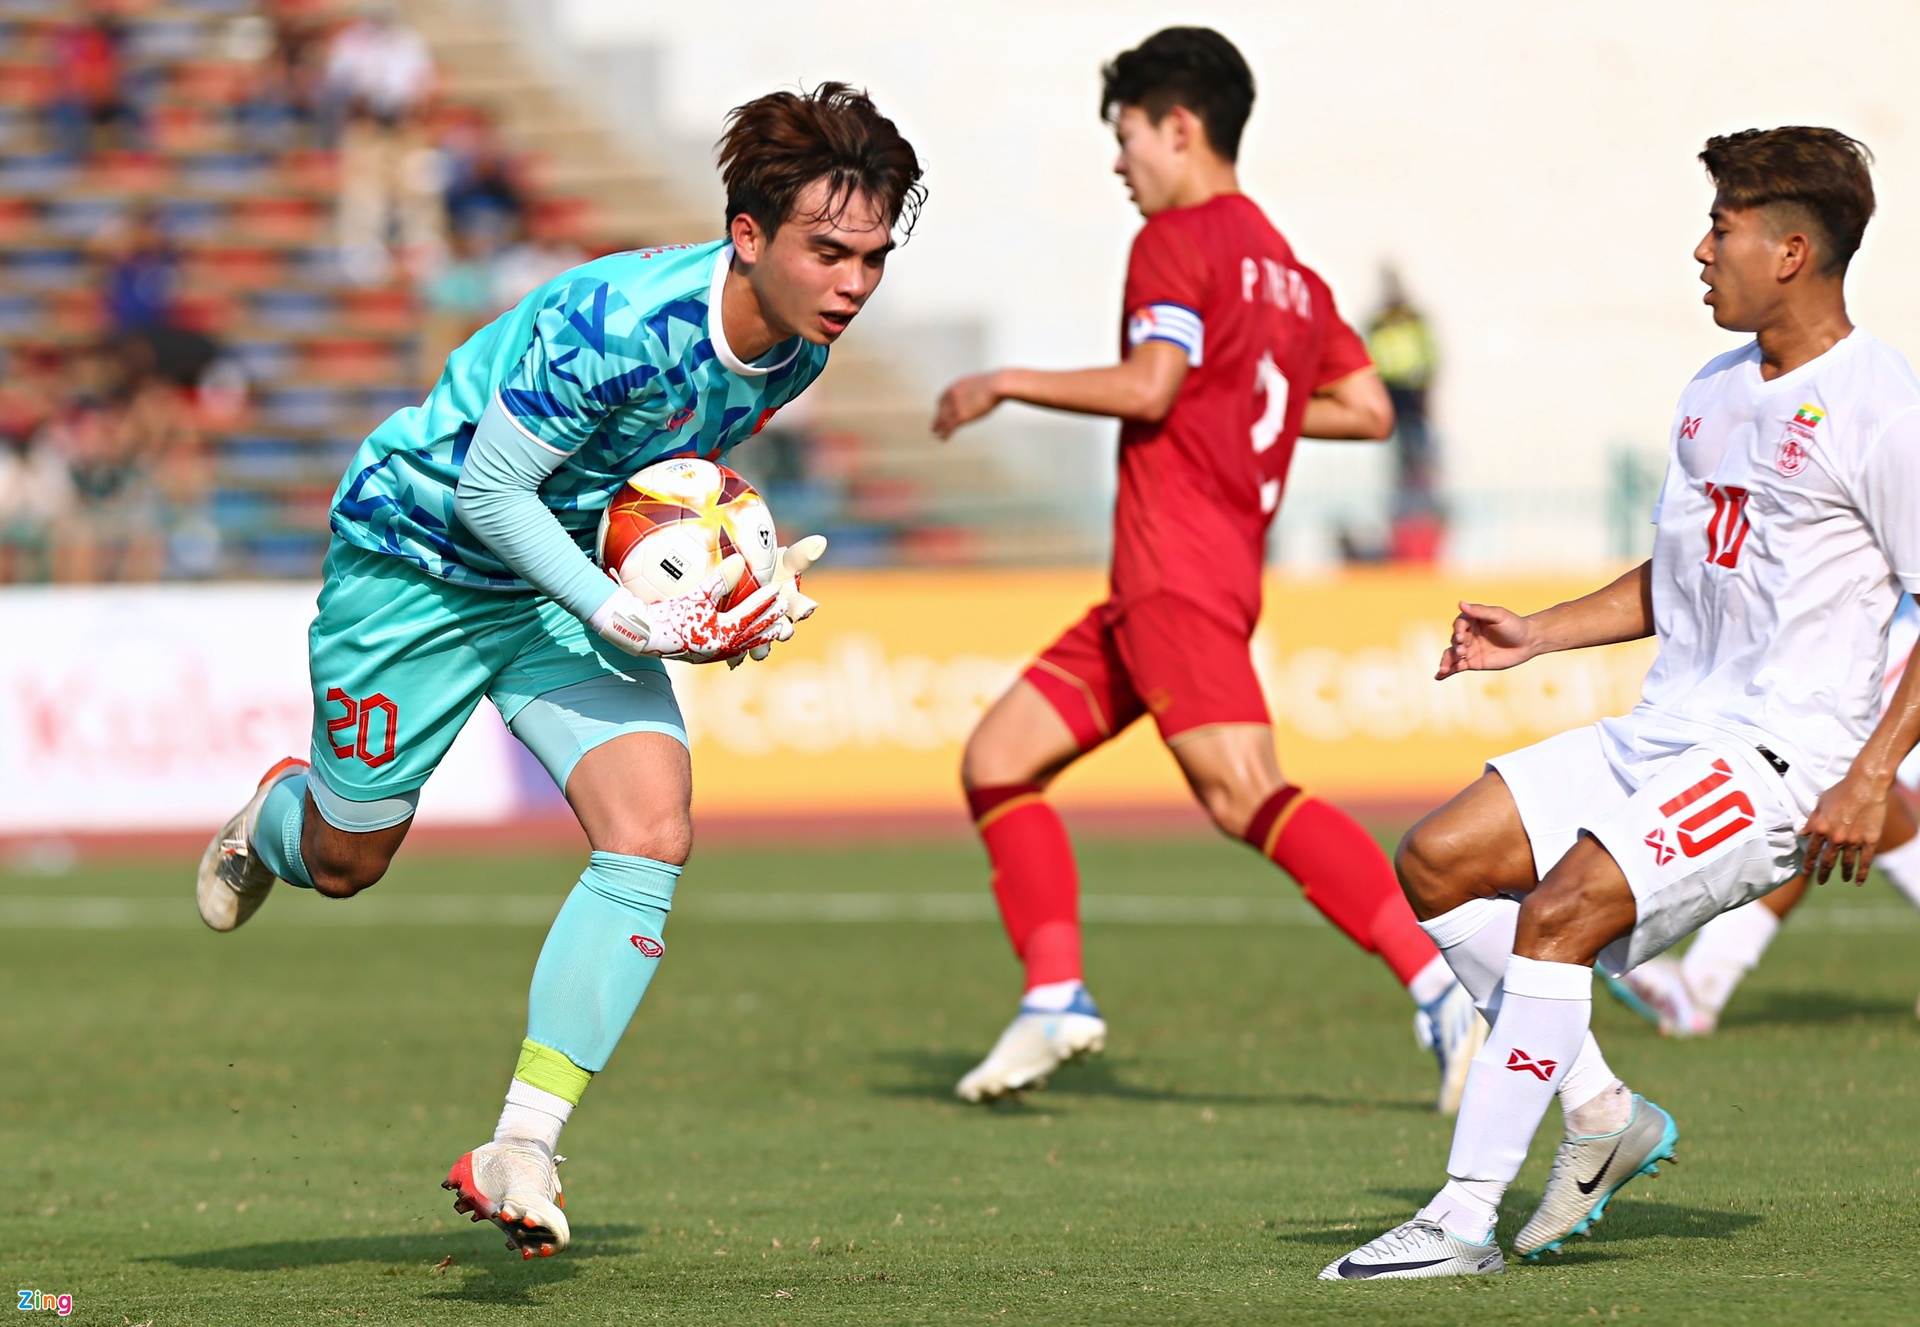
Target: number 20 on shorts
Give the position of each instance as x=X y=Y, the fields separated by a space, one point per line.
x=351 y=732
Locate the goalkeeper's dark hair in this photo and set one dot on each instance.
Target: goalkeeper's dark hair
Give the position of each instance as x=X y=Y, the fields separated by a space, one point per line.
x=1192 y=67
x=1811 y=177
x=777 y=145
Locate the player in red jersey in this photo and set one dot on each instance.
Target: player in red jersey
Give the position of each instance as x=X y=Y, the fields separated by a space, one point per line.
x=1231 y=350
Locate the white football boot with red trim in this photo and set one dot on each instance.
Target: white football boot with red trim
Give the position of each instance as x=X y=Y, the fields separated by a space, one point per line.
x=233 y=883
x=513 y=1183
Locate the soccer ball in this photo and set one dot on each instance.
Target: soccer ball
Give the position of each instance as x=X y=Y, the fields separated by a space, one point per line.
x=672 y=525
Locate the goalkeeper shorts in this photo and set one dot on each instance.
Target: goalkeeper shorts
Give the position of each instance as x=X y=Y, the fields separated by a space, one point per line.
x=399 y=659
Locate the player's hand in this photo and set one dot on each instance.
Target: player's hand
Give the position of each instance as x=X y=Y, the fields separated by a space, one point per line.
x=693 y=626
x=792 y=560
x=1844 y=829
x=965 y=401
x=1485 y=637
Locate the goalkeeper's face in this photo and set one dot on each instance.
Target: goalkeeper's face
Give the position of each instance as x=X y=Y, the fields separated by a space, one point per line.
x=813 y=274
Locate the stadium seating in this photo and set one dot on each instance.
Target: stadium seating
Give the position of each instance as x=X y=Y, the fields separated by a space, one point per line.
x=251 y=212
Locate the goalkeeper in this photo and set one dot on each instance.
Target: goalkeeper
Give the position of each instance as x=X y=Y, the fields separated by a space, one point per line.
x=459 y=569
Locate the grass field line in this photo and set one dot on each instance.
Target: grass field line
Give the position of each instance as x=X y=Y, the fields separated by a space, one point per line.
x=110 y=913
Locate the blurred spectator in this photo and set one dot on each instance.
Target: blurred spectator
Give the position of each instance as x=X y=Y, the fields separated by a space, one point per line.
x=459 y=301
x=485 y=200
x=267 y=109
x=141 y=276
x=379 y=76
x=35 y=488
x=527 y=262
x=89 y=91
x=1406 y=357
x=140 y=477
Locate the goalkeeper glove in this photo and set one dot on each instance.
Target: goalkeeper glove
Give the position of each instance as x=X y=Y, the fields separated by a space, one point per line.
x=692 y=626
x=791 y=561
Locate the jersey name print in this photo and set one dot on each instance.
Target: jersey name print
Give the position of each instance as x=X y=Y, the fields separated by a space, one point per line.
x=1199 y=488
x=1787 y=528
x=615 y=364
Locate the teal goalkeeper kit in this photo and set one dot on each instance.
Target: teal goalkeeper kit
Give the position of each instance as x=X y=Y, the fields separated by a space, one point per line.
x=539 y=418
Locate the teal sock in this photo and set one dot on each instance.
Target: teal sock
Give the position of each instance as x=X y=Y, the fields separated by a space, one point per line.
x=599 y=957
x=276 y=835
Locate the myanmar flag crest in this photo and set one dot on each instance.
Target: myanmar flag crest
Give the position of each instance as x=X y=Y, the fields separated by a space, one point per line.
x=1809 y=416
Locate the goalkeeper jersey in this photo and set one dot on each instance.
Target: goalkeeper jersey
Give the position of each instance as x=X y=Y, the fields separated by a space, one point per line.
x=615 y=364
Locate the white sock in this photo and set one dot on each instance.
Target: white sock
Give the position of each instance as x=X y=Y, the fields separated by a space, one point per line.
x=532 y=1113
x=1467 y=1209
x=1587 y=1077
x=1476 y=939
x=1051 y=997
x=1607 y=1111
x=1724 y=951
x=1431 y=982
x=1902 y=866
x=1542 y=1026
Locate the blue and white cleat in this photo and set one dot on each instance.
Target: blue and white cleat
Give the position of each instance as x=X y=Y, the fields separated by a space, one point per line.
x=1416 y=1250
x=1588 y=1171
x=1035 y=1044
x=1453 y=1030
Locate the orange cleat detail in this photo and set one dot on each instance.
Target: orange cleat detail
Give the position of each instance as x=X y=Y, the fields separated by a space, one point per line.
x=291 y=762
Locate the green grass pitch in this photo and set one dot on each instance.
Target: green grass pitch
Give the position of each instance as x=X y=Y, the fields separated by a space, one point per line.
x=250 y=1129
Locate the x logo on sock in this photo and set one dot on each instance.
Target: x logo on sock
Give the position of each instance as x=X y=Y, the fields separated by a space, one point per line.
x=1521 y=1062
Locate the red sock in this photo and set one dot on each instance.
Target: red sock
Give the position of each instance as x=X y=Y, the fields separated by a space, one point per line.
x=1344 y=874
x=1034 y=878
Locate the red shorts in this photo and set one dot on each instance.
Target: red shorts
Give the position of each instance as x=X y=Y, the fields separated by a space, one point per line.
x=1165 y=656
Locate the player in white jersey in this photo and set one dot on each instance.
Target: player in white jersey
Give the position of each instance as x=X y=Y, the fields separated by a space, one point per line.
x=1683 y=997
x=1786 y=529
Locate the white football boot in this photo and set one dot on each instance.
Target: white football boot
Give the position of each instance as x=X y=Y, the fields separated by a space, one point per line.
x=1035 y=1044
x=515 y=1184
x=1588 y=1171
x=1453 y=1030
x=1416 y=1249
x=232 y=883
x=1657 y=991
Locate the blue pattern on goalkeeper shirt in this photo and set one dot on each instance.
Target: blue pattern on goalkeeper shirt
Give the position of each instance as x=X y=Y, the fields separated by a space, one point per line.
x=609 y=363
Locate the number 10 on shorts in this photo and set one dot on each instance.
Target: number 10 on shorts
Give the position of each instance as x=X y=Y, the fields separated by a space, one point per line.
x=1707 y=828
x=350 y=733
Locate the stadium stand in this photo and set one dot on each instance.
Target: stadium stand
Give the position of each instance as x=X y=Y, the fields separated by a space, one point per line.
x=183 y=328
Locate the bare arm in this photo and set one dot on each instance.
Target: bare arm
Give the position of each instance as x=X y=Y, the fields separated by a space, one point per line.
x=1142 y=386
x=1485 y=637
x=1844 y=829
x=1351 y=409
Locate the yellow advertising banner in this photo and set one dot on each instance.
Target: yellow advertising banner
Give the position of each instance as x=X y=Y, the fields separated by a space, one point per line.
x=866 y=710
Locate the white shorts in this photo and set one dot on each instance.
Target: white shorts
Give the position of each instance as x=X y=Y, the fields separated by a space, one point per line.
x=1696 y=833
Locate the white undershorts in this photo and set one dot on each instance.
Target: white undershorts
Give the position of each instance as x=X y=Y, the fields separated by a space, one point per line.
x=1697 y=832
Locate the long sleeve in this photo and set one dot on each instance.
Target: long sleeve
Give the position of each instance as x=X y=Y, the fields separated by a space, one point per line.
x=498 y=499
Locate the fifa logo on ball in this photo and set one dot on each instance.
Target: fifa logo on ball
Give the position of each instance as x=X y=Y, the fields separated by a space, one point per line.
x=36 y=1299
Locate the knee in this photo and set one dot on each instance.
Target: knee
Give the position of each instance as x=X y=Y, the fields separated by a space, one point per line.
x=988 y=763
x=1233 y=802
x=663 y=836
x=1429 y=863
x=344 y=876
x=1574 y=914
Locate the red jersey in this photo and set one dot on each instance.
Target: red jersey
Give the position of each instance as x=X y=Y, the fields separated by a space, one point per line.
x=1199 y=489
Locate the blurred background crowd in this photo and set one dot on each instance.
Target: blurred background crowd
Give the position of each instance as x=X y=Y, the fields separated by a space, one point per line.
x=235 y=234
x=232 y=237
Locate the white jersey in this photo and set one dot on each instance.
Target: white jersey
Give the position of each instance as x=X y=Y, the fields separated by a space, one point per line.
x=1787 y=527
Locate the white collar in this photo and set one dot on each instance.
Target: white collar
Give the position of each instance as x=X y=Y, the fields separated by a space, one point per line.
x=717 y=334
